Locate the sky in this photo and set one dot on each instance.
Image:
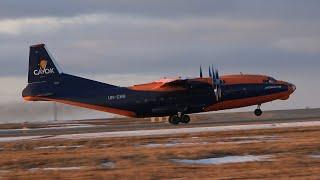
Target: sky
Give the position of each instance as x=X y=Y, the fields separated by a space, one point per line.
x=126 y=42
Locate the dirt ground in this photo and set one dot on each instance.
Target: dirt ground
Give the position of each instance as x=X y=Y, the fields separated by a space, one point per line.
x=293 y=154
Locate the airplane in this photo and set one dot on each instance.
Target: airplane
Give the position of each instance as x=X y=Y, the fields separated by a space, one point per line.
x=175 y=98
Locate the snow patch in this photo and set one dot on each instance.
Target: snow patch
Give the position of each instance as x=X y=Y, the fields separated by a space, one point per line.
x=249 y=139
x=316 y=156
x=57 y=147
x=108 y=164
x=172 y=144
x=57 y=168
x=224 y=160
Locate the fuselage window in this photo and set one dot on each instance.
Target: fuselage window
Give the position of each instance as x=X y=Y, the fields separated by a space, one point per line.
x=270 y=80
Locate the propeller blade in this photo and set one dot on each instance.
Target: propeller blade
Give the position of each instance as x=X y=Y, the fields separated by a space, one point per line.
x=210 y=75
x=217 y=75
x=213 y=73
x=214 y=86
x=213 y=78
x=216 y=83
x=201 y=75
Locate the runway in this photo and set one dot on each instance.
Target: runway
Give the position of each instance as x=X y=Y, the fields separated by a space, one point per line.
x=278 y=145
x=130 y=124
x=164 y=132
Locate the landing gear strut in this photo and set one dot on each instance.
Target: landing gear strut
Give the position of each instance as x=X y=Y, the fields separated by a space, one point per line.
x=179 y=118
x=258 y=111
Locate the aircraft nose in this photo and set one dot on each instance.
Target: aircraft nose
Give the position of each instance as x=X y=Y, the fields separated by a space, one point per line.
x=292 y=87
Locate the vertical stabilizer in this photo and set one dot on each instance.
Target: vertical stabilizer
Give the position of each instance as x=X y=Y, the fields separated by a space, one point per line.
x=41 y=65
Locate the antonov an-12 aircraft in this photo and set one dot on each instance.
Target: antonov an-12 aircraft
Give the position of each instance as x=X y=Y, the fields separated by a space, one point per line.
x=175 y=98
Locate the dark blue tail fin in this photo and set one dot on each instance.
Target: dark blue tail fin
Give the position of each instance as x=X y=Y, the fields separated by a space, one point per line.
x=41 y=65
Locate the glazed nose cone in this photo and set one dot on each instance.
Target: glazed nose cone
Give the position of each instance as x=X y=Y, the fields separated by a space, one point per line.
x=291 y=87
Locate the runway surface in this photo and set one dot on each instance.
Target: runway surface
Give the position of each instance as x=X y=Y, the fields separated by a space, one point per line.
x=131 y=124
x=164 y=132
x=278 y=145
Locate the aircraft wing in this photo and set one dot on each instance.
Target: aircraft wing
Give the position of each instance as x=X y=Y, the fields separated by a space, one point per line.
x=185 y=83
x=182 y=83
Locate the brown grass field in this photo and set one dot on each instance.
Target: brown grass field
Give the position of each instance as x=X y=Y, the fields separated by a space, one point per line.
x=135 y=158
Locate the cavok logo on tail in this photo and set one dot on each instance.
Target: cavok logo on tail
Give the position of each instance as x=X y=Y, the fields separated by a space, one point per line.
x=43 y=68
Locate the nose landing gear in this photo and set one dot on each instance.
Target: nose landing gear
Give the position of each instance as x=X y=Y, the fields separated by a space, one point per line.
x=258 y=111
x=179 y=118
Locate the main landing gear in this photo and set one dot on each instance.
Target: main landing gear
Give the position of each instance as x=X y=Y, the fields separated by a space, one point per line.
x=258 y=111
x=176 y=119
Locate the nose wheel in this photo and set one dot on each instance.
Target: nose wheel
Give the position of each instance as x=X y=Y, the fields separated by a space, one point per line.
x=258 y=111
x=176 y=119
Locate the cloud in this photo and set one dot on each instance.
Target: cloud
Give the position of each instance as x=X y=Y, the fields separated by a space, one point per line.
x=159 y=43
x=46 y=24
x=259 y=9
x=300 y=45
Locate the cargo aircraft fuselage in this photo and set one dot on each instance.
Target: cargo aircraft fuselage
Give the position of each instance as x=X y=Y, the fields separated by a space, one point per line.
x=167 y=97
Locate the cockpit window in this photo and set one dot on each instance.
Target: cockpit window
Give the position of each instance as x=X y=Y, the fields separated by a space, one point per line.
x=270 y=80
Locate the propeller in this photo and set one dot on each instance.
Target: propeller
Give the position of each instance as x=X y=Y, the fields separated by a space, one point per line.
x=216 y=82
x=201 y=72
